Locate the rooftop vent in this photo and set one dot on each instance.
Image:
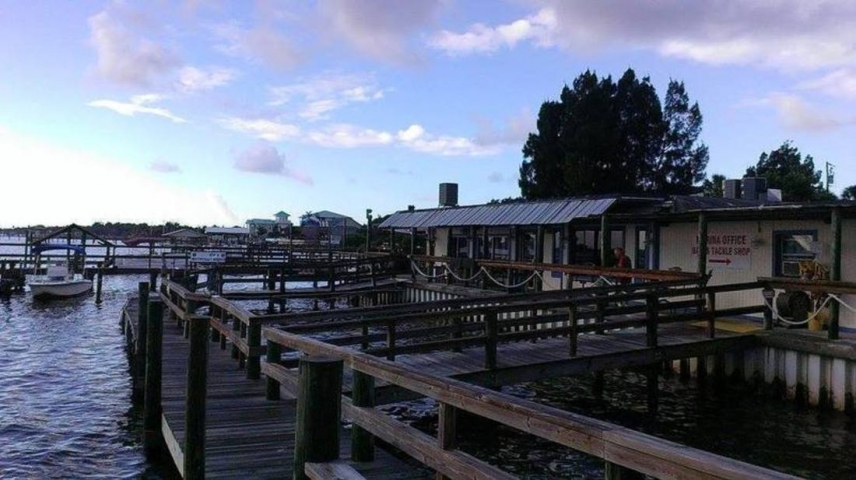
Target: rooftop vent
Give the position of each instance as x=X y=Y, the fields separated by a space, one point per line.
x=448 y=194
x=731 y=189
x=754 y=188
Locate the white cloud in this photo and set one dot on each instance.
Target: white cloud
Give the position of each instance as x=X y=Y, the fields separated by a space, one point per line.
x=317 y=96
x=538 y=28
x=839 y=83
x=261 y=128
x=164 y=167
x=379 y=28
x=122 y=57
x=349 y=136
x=263 y=44
x=416 y=138
x=797 y=114
x=192 y=79
x=60 y=166
x=781 y=34
x=495 y=177
x=266 y=159
x=137 y=104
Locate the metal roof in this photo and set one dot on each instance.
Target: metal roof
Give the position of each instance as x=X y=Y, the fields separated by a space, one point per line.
x=552 y=212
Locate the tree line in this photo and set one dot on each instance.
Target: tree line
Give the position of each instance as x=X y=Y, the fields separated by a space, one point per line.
x=617 y=137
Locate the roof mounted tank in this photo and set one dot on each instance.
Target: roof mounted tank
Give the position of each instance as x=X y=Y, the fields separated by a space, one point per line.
x=448 y=194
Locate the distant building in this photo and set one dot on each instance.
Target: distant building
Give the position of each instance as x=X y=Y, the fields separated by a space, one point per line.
x=282 y=219
x=185 y=236
x=336 y=223
x=262 y=227
x=227 y=235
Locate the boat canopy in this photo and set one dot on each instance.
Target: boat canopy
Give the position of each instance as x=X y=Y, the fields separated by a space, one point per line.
x=46 y=246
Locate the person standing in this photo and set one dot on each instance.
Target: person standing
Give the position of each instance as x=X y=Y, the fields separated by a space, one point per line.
x=622 y=261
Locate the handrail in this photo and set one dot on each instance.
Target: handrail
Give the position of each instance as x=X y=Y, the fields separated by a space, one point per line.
x=634 y=450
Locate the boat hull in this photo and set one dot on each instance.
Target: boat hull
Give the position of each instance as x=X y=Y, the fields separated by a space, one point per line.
x=60 y=289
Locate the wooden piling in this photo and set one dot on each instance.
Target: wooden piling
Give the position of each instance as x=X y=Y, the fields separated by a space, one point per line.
x=701 y=267
x=363 y=395
x=447 y=427
x=651 y=314
x=835 y=272
x=319 y=410
x=491 y=333
x=139 y=356
x=273 y=356
x=572 y=320
x=152 y=439
x=614 y=471
x=197 y=385
x=98 y=283
x=254 y=342
x=153 y=280
x=390 y=339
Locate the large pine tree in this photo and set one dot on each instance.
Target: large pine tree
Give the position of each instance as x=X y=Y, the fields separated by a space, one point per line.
x=614 y=137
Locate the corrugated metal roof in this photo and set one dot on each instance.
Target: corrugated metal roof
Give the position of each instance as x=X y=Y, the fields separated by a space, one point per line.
x=553 y=212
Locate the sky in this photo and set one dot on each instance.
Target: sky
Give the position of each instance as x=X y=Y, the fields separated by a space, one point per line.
x=211 y=112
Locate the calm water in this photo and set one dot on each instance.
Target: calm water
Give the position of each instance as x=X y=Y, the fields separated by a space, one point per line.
x=65 y=408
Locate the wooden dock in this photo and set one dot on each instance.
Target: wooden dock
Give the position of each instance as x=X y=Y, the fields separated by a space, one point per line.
x=247 y=436
x=230 y=377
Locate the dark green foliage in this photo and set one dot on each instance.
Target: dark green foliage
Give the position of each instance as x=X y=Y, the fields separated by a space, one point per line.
x=503 y=201
x=849 y=193
x=786 y=169
x=607 y=137
x=713 y=187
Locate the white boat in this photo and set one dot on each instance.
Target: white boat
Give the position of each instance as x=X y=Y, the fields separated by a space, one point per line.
x=59 y=280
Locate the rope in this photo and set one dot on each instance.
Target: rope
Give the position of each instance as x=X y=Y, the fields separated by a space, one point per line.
x=843 y=304
x=524 y=282
x=477 y=275
x=413 y=266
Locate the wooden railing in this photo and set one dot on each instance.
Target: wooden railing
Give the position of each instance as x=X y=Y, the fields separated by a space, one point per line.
x=620 y=447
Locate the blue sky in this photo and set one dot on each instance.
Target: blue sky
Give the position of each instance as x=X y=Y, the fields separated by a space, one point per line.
x=212 y=112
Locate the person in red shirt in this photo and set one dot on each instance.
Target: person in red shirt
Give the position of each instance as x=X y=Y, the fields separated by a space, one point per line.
x=622 y=261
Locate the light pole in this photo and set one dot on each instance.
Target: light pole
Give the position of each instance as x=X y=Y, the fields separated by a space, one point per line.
x=368 y=228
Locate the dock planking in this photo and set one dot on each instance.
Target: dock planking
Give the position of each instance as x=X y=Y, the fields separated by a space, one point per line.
x=247 y=436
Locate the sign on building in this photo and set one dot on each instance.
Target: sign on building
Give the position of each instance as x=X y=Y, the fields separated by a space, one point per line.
x=731 y=251
x=208 y=257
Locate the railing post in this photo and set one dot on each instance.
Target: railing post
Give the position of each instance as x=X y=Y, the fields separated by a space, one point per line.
x=98 y=283
x=769 y=297
x=600 y=316
x=273 y=355
x=319 y=410
x=236 y=327
x=254 y=342
x=363 y=395
x=139 y=353
x=491 y=333
x=711 y=312
x=197 y=384
x=152 y=395
x=835 y=272
x=447 y=426
x=390 y=339
x=614 y=471
x=572 y=319
x=651 y=314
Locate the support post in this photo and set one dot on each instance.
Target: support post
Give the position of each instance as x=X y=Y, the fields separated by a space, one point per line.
x=363 y=395
x=769 y=297
x=319 y=411
x=273 y=356
x=152 y=396
x=702 y=244
x=605 y=241
x=390 y=339
x=614 y=471
x=835 y=272
x=491 y=333
x=651 y=314
x=711 y=312
x=254 y=343
x=572 y=320
x=447 y=426
x=600 y=318
x=140 y=342
x=153 y=280
x=98 y=283
x=197 y=385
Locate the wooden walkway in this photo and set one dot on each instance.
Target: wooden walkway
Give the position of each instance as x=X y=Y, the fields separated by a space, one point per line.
x=247 y=436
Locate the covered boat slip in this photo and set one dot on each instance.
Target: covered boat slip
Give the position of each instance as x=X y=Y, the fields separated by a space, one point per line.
x=735 y=241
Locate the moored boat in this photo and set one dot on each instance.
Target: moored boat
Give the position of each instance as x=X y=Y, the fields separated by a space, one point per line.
x=59 y=281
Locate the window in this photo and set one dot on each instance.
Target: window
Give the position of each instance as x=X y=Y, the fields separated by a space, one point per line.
x=641 y=247
x=558 y=248
x=526 y=250
x=587 y=249
x=459 y=247
x=499 y=247
x=792 y=248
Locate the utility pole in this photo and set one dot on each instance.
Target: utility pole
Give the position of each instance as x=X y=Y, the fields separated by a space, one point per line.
x=830 y=175
x=368 y=228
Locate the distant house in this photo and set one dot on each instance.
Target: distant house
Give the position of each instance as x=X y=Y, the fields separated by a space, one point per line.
x=227 y=235
x=335 y=223
x=282 y=219
x=185 y=236
x=261 y=227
